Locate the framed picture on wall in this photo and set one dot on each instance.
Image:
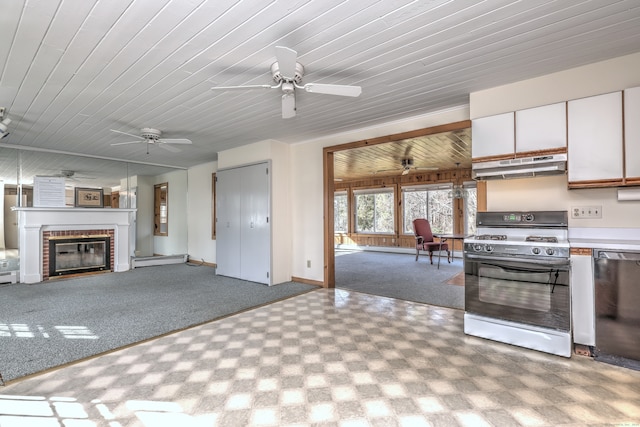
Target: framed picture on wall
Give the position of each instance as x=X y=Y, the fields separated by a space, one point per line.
x=89 y=198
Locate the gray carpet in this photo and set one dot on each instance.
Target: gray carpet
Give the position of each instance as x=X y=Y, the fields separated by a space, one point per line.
x=400 y=276
x=59 y=321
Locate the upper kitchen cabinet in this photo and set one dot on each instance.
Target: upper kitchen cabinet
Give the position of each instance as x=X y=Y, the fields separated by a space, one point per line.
x=542 y=129
x=595 y=141
x=632 y=135
x=493 y=136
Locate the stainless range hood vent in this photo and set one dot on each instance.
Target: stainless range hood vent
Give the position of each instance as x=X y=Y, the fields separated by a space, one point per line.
x=524 y=167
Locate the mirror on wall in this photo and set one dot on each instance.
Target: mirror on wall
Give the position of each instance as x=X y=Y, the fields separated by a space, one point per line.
x=122 y=185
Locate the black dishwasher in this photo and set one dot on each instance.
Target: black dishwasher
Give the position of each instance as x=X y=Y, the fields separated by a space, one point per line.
x=617 y=305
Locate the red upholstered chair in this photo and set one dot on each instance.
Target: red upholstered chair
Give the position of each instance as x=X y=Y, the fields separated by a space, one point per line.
x=424 y=240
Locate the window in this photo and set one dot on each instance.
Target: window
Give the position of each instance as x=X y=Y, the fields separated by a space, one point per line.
x=161 y=209
x=431 y=202
x=374 y=211
x=470 y=207
x=340 y=212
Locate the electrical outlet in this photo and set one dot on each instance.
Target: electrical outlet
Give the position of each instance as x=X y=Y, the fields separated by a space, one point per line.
x=308 y=263
x=583 y=212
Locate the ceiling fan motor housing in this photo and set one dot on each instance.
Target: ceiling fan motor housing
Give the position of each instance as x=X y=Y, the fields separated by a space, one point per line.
x=407 y=163
x=278 y=77
x=150 y=133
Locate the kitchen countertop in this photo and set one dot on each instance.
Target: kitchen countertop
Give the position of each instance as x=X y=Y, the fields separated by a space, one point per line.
x=605 y=238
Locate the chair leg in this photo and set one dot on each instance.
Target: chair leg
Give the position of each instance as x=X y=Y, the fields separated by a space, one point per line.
x=449 y=259
x=417 y=253
x=431 y=257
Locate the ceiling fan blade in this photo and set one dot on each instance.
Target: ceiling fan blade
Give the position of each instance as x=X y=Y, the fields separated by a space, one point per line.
x=125 y=133
x=287 y=59
x=169 y=147
x=385 y=170
x=288 y=105
x=128 y=142
x=244 y=87
x=175 y=141
x=341 y=90
x=427 y=168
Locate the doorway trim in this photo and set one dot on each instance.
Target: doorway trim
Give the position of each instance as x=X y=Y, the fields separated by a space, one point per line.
x=328 y=187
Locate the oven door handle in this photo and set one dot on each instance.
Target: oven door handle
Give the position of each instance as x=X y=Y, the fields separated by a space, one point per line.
x=546 y=262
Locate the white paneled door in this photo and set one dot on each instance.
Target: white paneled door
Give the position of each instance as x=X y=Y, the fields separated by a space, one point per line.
x=243 y=229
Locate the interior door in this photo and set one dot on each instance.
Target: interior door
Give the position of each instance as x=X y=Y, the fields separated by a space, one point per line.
x=255 y=228
x=228 y=238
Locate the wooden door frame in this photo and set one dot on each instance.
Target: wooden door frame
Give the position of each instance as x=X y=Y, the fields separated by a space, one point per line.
x=328 y=187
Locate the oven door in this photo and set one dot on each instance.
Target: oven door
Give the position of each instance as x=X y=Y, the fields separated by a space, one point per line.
x=529 y=291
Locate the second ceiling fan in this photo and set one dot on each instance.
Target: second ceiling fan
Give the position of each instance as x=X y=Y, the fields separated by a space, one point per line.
x=287 y=74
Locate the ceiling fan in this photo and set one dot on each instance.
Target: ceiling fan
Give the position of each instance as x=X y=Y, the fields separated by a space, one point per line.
x=287 y=74
x=71 y=175
x=406 y=167
x=152 y=137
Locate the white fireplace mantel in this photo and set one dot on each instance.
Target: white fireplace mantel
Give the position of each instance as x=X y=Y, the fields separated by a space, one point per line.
x=33 y=221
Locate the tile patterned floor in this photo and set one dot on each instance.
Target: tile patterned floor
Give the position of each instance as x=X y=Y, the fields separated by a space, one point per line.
x=327 y=358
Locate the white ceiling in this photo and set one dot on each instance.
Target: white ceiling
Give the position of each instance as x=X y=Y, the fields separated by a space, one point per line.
x=71 y=70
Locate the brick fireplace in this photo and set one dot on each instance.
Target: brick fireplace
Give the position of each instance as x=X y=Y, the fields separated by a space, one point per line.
x=37 y=226
x=73 y=235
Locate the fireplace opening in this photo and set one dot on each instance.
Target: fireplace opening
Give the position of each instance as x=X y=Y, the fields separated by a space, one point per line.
x=72 y=255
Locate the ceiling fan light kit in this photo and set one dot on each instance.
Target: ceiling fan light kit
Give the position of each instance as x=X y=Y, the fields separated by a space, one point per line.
x=287 y=73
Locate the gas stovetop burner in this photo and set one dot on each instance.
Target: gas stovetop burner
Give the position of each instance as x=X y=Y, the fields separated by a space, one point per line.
x=545 y=239
x=491 y=237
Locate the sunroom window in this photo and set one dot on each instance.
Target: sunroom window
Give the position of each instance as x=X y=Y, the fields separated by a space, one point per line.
x=374 y=210
x=432 y=202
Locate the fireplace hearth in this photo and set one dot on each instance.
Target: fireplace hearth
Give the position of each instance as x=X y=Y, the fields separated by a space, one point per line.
x=81 y=254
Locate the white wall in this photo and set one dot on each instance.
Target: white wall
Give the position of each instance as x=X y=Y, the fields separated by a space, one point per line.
x=175 y=243
x=552 y=192
x=199 y=208
x=307 y=186
x=593 y=79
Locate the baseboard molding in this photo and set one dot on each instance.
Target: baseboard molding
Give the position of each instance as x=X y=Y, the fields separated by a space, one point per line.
x=201 y=262
x=158 y=260
x=307 y=281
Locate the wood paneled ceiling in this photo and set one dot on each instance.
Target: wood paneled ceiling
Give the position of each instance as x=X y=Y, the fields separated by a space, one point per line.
x=441 y=151
x=71 y=70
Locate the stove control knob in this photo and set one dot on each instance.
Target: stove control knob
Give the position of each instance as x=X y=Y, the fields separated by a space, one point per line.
x=478 y=247
x=528 y=217
x=488 y=248
x=535 y=251
x=550 y=251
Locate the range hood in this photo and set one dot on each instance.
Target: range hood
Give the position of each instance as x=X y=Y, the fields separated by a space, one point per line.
x=524 y=167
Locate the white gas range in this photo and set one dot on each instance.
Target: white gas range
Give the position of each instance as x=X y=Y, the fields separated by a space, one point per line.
x=517 y=272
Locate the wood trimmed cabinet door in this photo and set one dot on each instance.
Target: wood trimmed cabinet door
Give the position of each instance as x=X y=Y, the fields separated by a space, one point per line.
x=493 y=137
x=542 y=129
x=595 y=152
x=632 y=134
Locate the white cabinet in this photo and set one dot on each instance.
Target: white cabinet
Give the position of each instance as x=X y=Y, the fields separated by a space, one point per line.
x=632 y=132
x=493 y=136
x=583 y=298
x=243 y=228
x=595 y=138
x=542 y=128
